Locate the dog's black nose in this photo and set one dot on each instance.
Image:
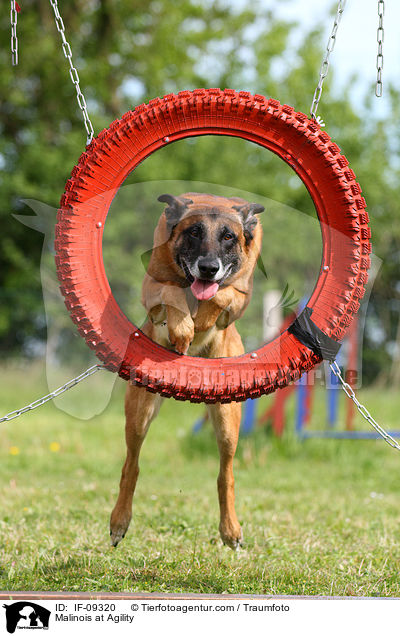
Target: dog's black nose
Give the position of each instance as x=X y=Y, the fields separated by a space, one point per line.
x=208 y=267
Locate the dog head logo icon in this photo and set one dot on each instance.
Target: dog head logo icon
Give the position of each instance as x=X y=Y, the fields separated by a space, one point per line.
x=26 y=615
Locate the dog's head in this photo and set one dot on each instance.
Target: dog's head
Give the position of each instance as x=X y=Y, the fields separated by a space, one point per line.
x=211 y=239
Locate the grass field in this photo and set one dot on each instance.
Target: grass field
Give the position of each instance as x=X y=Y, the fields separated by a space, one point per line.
x=319 y=517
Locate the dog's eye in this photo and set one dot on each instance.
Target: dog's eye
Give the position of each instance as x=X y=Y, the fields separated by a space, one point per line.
x=195 y=232
x=228 y=236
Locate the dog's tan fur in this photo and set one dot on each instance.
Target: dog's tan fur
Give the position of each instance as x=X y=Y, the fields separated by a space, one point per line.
x=203 y=328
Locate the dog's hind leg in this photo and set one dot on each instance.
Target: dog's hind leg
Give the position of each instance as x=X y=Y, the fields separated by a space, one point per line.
x=226 y=421
x=140 y=409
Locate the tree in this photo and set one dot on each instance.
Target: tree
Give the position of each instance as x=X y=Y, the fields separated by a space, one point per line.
x=124 y=51
x=132 y=51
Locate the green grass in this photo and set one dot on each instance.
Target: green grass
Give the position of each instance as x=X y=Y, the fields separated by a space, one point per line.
x=319 y=517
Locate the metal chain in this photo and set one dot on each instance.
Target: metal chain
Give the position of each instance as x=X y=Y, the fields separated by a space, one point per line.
x=379 y=58
x=53 y=394
x=14 y=39
x=73 y=72
x=362 y=409
x=325 y=63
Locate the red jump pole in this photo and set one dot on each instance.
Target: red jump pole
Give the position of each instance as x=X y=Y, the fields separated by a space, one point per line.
x=352 y=371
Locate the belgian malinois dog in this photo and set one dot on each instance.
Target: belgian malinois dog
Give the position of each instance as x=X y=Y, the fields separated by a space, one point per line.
x=198 y=282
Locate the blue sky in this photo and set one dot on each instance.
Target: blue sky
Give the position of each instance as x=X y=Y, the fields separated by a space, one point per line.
x=356 y=45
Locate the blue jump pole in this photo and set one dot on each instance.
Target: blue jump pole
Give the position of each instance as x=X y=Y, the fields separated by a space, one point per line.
x=249 y=417
x=333 y=393
x=301 y=404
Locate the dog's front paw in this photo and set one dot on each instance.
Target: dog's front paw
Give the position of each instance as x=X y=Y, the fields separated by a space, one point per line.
x=181 y=341
x=181 y=334
x=158 y=314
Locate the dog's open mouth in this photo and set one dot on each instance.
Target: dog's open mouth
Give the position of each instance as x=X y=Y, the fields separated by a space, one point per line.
x=204 y=289
x=201 y=289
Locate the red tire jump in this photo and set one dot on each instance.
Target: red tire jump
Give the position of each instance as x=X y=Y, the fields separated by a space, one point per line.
x=112 y=156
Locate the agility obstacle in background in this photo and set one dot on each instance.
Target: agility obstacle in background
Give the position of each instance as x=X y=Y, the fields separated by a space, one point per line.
x=304 y=393
x=275 y=415
x=115 y=153
x=303 y=390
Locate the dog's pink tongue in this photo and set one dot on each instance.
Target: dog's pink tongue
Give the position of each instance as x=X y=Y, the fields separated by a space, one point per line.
x=203 y=289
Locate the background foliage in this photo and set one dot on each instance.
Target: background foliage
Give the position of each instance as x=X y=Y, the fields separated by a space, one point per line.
x=130 y=51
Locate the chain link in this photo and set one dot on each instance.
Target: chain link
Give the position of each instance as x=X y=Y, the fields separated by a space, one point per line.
x=379 y=58
x=97 y=367
x=68 y=385
x=14 y=39
x=361 y=408
x=325 y=62
x=73 y=72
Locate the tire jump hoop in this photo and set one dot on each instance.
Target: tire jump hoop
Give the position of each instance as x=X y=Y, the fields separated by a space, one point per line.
x=340 y=207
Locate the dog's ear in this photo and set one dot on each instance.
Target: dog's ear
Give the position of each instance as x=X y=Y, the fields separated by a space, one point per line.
x=176 y=208
x=248 y=212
